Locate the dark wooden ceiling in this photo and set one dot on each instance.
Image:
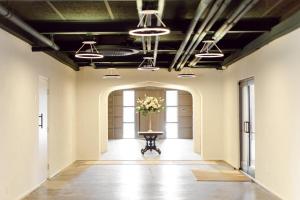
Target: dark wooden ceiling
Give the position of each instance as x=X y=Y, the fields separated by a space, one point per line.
x=68 y=23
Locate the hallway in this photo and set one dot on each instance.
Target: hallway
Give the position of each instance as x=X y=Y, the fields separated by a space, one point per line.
x=133 y=181
x=215 y=83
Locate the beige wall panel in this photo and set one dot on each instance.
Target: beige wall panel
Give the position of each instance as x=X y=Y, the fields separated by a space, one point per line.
x=186 y=133
x=118 y=122
x=110 y=122
x=185 y=122
x=185 y=100
x=118 y=100
x=184 y=111
x=118 y=133
x=118 y=111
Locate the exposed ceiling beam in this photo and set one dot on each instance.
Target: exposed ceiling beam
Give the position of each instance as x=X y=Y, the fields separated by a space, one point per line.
x=18 y=22
x=277 y=31
x=131 y=58
x=121 y=27
x=137 y=59
x=63 y=58
x=109 y=10
x=269 y=10
x=162 y=50
x=56 y=10
x=72 y=46
x=215 y=66
x=231 y=21
x=20 y=29
x=130 y=65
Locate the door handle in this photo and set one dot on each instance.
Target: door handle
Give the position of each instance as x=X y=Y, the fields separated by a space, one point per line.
x=247 y=127
x=41 y=120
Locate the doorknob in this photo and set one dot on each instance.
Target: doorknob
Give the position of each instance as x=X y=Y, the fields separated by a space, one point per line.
x=41 y=120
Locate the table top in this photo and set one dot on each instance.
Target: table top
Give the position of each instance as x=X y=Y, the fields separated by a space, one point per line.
x=150 y=132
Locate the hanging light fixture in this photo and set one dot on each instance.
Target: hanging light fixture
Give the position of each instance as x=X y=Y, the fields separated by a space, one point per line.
x=206 y=51
x=112 y=73
x=148 y=65
x=186 y=72
x=88 y=51
x=144 y=27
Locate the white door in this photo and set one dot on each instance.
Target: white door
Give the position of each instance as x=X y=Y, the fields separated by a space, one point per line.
x=43 y=128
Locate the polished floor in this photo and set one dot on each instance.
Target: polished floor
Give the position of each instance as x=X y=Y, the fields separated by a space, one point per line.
x=130 y=149
x=164 y=180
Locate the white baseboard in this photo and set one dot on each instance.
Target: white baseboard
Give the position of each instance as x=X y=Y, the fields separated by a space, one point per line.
x=256 y=181
x=23 y=195
x=266 y=188
x=60 y=170
x=30 y=190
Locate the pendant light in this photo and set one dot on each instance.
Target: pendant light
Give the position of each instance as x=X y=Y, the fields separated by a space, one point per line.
x=144 y=27
x=206 y=51
x=147 y=65
x=112 y=73
x=186 y=72
x=88 y=51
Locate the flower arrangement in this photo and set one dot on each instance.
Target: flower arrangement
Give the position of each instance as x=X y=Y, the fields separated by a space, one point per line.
x=149 y=105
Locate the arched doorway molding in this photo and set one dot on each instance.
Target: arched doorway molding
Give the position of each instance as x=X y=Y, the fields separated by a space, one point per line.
x=197 y=111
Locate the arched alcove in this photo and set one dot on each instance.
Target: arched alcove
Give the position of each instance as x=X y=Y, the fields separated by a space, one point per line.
x=197 y=111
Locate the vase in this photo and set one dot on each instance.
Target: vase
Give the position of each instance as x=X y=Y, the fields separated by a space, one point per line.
x=149 y=125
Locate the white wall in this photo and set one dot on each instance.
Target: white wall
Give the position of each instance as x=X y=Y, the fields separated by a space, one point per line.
x=206 y=90
x=276 y=68
x=19 y=71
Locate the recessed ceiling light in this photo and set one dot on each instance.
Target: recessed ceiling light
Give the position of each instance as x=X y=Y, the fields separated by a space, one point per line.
x=205 y=52
x=147 y=65
x=145 y=29
x=112 y=73
x=88 y=53
x=186 y=72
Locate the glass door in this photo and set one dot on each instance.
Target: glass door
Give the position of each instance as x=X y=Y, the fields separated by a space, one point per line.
x=247 y=126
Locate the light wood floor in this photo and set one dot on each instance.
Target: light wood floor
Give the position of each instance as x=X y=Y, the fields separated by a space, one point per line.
x=130 y=149
x=132 y=180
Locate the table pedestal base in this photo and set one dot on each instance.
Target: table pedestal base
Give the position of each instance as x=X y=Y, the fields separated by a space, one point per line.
x=150 y=144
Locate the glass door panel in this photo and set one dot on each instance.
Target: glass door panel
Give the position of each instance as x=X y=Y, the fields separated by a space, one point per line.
x=247 y=126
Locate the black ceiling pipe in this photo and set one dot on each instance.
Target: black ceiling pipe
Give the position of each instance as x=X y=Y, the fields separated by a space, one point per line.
x=200 y=10
x=244 y=7
x=4 y=12
x=217 y=10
